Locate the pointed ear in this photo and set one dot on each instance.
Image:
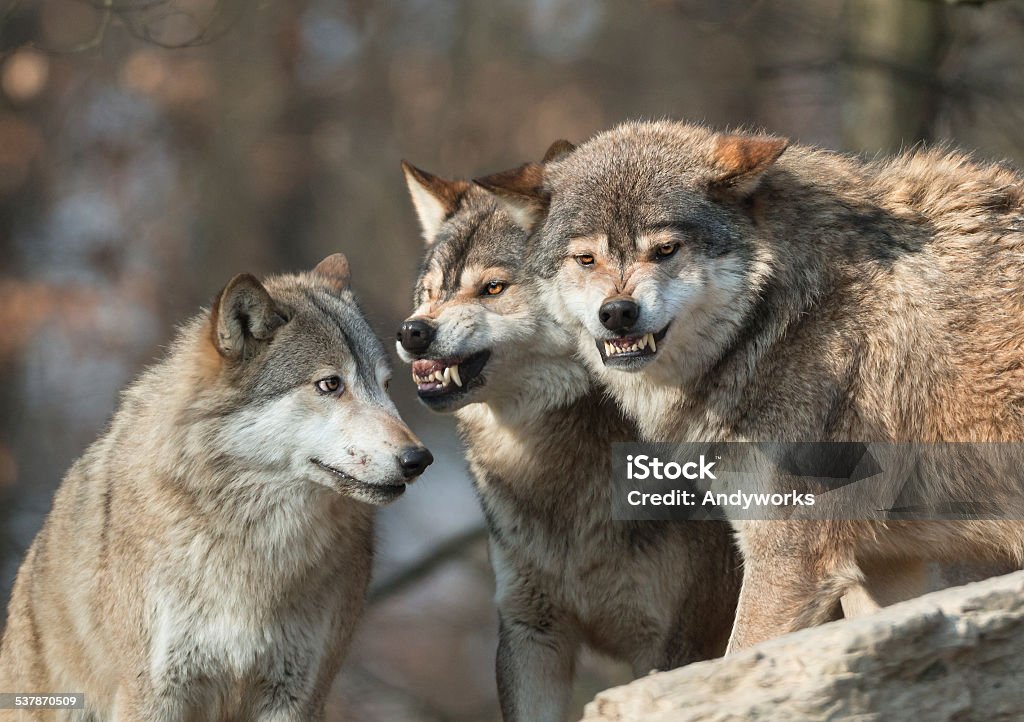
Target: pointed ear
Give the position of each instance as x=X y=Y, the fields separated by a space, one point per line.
x=433 y=198
x=521 y=190
x=557 y=150
x=740 y=160
x=243 y=317
x=335 y=271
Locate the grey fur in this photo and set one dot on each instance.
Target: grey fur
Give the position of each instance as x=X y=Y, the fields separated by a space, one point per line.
x=811 y=296
x=200 y=562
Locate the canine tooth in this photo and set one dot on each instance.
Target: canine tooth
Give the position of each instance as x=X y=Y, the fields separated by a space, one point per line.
x=643 y=341
x=608 y=348
x=654 y=346
x=447 y=375
x=455 y=375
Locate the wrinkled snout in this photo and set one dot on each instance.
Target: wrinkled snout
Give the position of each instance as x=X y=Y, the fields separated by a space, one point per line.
x=414 y=460
x=416 y=335
x=619 y=313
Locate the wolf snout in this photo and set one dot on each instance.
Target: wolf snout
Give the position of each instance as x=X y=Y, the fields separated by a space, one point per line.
x=619 y=314
x=414 y=460
x=416 y=335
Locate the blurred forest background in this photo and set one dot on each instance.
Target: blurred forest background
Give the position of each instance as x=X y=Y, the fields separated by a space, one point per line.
x=150 y=149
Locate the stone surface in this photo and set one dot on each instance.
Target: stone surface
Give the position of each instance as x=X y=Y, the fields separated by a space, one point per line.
x=957 y=654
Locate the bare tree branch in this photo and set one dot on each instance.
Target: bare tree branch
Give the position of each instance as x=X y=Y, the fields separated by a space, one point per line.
x=412 y=574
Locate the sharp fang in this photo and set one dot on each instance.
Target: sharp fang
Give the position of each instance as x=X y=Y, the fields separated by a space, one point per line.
x=447 y=375
x=455 y=375
x=643 y=341
x=608 y=350
x=654 y=346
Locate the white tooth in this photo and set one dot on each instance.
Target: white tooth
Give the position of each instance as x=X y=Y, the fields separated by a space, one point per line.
x=447 y=375
x=654 y=346
x=455 y=375
x=608 y=350
x=436 y=376
x=643 y=341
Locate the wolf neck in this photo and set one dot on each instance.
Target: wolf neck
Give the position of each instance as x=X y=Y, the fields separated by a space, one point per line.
x=505 y=434
x=522 y=401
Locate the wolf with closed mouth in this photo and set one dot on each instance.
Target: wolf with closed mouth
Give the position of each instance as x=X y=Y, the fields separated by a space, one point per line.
x=538 y=436
x=208 y=557
x=731 y=286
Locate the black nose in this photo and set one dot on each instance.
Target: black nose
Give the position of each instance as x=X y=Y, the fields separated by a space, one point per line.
x=619 y=315
x=415 y=460
x=415 y=336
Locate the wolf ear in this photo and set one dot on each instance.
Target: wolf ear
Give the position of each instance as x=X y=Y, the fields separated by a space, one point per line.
x=243 y=316
x=740 y=160
x=558 y=150
x=521 y=190
x=334 y=269
x=433 y=198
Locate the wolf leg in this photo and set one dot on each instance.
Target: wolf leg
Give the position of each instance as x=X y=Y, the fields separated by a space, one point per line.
x=793 y=578
x=885 y=584
x=535 y=666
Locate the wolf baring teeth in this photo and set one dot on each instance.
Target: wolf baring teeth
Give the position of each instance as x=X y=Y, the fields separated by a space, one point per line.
x=538 y=437
x=812 y=296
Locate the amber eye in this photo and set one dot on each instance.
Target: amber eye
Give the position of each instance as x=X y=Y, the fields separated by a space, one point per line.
x=666 y=250
x=329 y=385
x=493 y=288
x=585 y=259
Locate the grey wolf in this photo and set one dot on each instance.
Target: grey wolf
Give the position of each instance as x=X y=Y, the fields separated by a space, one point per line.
x=207 y=558
x=538 y=435
x=734 y=286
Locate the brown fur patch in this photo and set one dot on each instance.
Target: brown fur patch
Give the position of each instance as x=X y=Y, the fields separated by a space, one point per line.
x=739 y=156
x=558 y=149
x=335 y=270
x=525 y=183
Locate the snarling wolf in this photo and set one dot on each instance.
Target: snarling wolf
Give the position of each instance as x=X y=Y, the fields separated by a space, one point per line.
x=538 y=435
x=208 y=557
x=731 y=286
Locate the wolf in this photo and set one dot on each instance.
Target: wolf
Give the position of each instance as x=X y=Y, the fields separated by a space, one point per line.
x=732 y=286
x=208 y=557
x=538 y=434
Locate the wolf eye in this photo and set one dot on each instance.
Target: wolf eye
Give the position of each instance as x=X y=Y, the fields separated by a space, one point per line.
x=329 y=385
x=665 y=250
x=584 y=259
x=493 y=288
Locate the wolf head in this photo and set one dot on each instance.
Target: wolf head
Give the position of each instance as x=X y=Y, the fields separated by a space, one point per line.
x=479 y=331
x=299 y=386
x=643 y=236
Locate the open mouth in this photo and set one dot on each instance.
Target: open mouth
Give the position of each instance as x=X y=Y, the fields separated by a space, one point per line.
x=630 y=352
x=443 y=377
x=348 y=484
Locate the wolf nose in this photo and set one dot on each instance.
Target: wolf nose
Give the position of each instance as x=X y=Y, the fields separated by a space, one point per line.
x=415 y=460
x=415 y=336
x=619 y=315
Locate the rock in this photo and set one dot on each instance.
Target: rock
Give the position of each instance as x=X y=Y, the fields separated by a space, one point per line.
x=957 y=654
